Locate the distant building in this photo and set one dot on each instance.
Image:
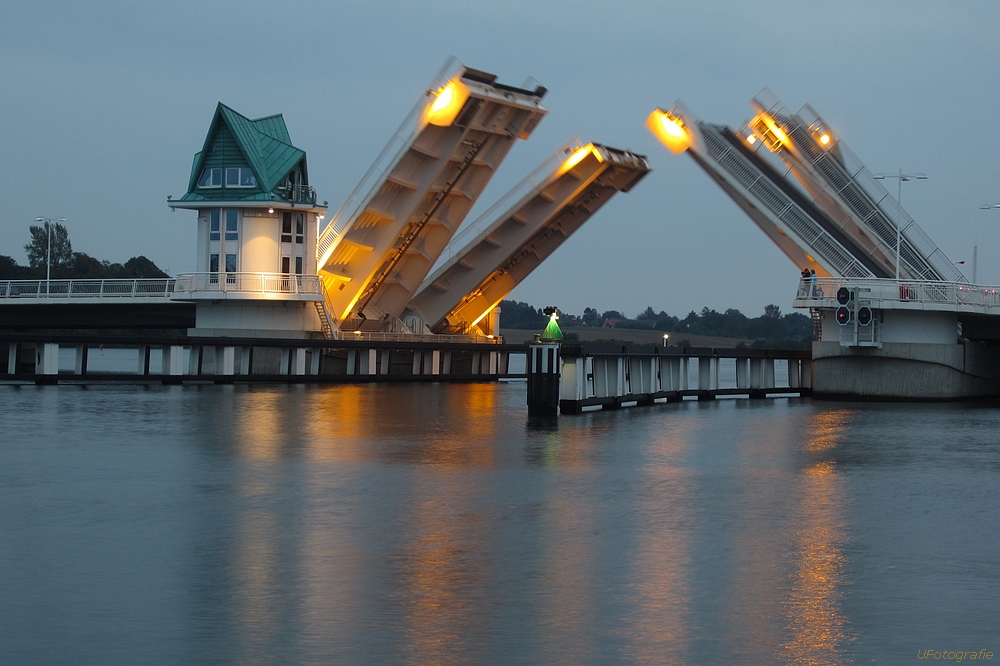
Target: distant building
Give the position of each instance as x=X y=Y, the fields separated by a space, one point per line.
x=257 y=227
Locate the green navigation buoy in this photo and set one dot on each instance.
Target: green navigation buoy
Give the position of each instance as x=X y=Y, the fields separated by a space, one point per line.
x=552 y=332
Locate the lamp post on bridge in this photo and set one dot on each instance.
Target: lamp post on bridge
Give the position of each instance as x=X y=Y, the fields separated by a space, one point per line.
x=900 y=179
x=48 y=247
x=983 y=207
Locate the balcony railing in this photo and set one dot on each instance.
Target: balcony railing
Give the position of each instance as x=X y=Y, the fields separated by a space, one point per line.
x=249 y=283
x=81 y=289
x=300 y=194
x=902 y=294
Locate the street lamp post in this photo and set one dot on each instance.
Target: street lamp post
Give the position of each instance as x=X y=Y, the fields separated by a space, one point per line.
x=900 y=179
x=983 y=207
x=48 y=248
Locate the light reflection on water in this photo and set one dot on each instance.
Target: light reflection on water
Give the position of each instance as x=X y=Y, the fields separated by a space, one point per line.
x=437 y=524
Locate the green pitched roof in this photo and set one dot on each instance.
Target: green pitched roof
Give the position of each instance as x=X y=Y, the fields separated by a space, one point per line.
x=264 y=144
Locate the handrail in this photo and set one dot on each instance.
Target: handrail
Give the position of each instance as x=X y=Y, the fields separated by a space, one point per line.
x=88 y=288
x=889 y=293
x=386 y=160
x=377 y=336
x=261 y=283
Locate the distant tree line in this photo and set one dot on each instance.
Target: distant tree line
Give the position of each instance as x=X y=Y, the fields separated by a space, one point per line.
x=65 y=263
x=770 y=329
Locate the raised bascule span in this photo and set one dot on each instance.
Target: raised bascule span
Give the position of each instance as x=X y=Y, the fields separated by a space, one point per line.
x=491 y=256
x=789 y=218
x=378 y=248
x=843 y=187
x=895 y=318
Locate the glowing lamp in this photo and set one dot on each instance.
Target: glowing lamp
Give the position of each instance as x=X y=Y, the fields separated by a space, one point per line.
x=670 y=130
x=448 y=101
x=825 y=139
x=577 y=156
x=751 y=139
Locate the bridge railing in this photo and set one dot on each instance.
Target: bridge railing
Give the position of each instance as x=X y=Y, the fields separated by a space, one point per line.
x=260 y=283
x=80 y=289
x=902 y=294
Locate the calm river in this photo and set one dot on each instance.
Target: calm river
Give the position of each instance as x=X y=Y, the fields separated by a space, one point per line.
x=437 y=524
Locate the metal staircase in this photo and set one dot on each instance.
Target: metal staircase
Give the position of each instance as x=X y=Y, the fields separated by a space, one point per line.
x=817 y=320
x=325 y=321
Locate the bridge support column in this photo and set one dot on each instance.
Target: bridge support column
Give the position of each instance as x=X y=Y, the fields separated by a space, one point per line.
x=572 y=383
x=418 y=362
x=767 y=378
x=670 y=373
x=435 y=368
x=384 y=361
x=708 y=377
x=173 y=364
x=477 y=361
x=742 y=373
x=142 y=368
x=46 y=362
x=314 y=361
x=446 y=363
x=352 y=360
x=225 y=361
x=368 y=361
x=243 y=360
x=13 y=355
x=298 y=361
x=80 y=363
x=195 y=360
x=793 y=373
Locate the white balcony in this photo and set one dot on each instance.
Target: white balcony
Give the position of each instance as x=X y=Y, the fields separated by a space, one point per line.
x=247 y=286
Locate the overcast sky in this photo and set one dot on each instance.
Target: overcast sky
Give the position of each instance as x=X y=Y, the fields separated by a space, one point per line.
x=104 y=103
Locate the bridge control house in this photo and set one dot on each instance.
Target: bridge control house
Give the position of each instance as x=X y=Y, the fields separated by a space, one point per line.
x=257 y=225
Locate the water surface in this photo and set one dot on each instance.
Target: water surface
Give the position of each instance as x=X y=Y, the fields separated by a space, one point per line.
x=437 y=524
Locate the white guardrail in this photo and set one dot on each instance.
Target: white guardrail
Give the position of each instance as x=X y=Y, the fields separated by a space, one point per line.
x=890 y=294
x=376 y=336
x=259 y=283
x=80 y=289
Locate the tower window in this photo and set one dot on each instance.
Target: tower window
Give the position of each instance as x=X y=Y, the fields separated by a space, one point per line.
x=210 y=178
x=299 y=228
x=286 y=227
x=213 y=233
x=240 y=177
x=232 y=224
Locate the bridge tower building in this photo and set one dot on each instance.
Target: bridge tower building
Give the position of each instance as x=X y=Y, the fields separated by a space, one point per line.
x=257 y=226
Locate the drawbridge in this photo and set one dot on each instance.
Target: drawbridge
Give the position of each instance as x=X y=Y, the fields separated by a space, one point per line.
x=491 y=256
x=378 y=248
x=843 y=187
x=808 y=192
